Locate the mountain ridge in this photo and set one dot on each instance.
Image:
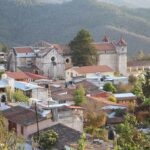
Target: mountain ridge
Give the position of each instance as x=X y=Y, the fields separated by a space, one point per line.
x=26 y=24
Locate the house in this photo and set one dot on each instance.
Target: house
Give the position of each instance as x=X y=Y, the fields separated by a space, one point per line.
x=125 y=97
x=29 y=89
x=34 y=76
x=137 y=67
x=88 y=71
x=66 y=135
x=24 y=121
x=115 y=113
x=18 y=76
x=71 y=116
x=32 y=90
x=20 y=57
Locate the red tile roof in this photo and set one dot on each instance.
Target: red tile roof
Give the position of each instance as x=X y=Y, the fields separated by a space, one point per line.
x=103 y=95
x=23 y=49
x=104 y=46
x=105 y=102
x=92 y=69
x=35 y=76
x=17 y=75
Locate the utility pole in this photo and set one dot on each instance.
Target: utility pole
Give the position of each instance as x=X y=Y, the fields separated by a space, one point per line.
x=37 y=122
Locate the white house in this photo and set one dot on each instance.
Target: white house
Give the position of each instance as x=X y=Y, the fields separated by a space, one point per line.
x=87 y=72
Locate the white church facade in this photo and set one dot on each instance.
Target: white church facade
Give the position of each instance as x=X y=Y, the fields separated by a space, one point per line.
x=113 y=54
x=53 y=59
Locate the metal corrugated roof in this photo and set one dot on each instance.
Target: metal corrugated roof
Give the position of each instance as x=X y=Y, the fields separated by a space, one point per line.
x=26 y=86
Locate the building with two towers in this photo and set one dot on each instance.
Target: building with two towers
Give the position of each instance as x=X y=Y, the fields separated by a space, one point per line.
x=53 y=59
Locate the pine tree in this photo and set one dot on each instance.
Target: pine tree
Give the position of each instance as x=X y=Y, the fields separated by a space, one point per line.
x=83 y=52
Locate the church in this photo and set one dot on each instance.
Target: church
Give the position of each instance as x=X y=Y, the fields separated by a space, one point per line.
x=113 y=54
x=53 y=59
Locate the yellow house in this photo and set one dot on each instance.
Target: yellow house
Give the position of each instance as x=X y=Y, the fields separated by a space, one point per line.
x=87 y=71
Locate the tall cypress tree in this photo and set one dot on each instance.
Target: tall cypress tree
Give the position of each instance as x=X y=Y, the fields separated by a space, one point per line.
x=146 y=85
x=83 y=51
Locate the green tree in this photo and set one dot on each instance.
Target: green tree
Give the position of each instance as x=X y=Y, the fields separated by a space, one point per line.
x=109 y=87
x=146 y=85
x=130 y=138
x=20 y=97
x=82 y=142
x=8 y=139
x=132 y=79
x=83 y=52
x=46 y=139
x=80 y=96
x=3 y=48
x=137 y=89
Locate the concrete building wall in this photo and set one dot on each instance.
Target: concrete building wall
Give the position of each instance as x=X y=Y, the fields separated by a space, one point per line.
x=51 y=68
x=28 y=130
x=109 y=60
x=122 y=59
x=72 y=119
x=70 y=73
x=40 y=93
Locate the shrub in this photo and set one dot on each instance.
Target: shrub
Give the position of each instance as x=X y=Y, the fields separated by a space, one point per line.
x=46 y=139
x=112 y=99
x=109 y=87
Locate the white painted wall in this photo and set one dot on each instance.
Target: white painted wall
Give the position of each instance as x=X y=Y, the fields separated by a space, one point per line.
x=109 y=60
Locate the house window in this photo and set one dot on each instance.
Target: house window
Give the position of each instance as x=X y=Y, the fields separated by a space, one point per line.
x=71 y=74
x=22 y=131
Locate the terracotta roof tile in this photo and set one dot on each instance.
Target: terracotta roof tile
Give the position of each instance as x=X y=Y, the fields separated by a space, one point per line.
x=23 y=49
x=104 y=46
x=17 y=75
x=35 y=76
x=92 y=69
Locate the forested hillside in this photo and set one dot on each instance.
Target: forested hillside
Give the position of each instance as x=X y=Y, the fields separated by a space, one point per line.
x=58 y=23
